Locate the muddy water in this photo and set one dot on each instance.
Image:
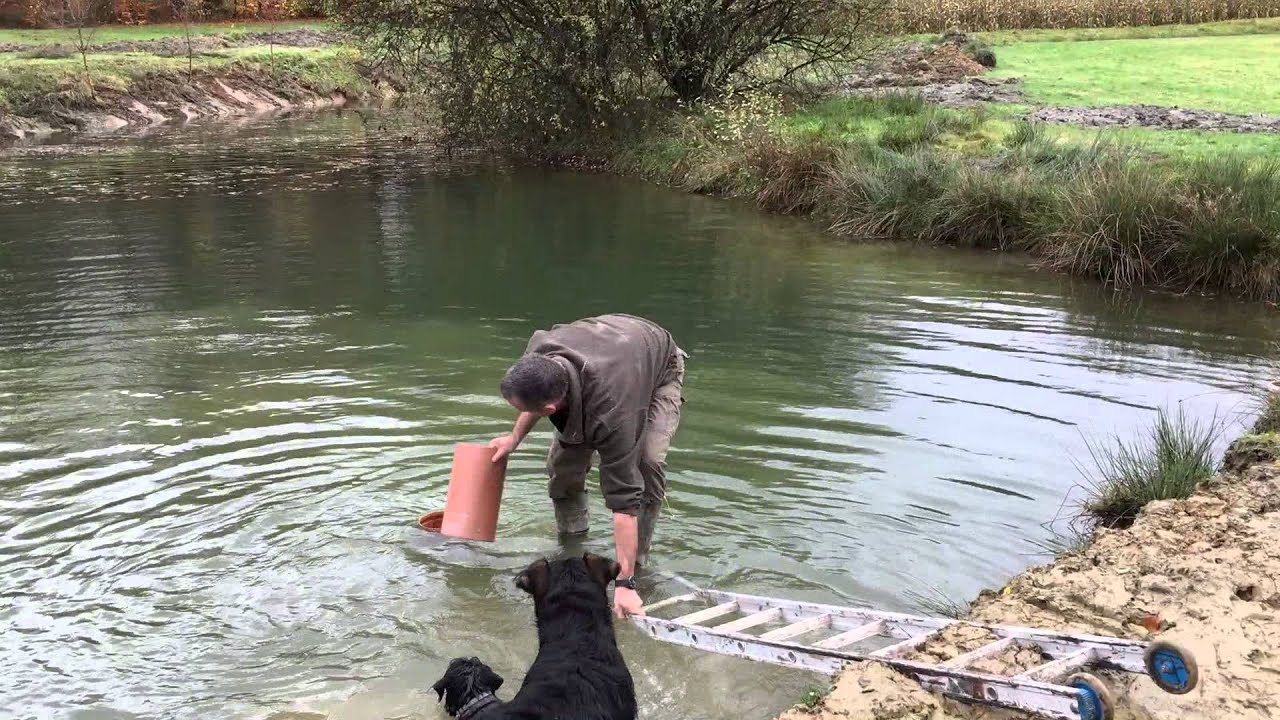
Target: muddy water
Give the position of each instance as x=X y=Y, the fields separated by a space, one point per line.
x=233 y=363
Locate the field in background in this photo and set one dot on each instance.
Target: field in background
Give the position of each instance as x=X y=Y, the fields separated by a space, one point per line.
x=142 y=33
x=1229 y=74
x=919 y=16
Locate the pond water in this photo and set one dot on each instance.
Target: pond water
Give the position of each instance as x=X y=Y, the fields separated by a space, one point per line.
x=233 y=363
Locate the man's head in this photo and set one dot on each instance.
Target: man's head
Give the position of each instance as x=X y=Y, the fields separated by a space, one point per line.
x=536 y=384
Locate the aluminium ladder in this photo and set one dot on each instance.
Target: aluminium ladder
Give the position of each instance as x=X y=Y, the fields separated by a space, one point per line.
x=723 y=623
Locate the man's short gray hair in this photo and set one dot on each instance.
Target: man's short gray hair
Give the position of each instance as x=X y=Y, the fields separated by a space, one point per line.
x=535 y=381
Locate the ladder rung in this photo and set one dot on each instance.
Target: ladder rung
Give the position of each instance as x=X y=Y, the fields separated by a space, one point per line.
x=987 y=650
x=1059 y=667
x=750 y=621
x=797 y=629
x=648 y=609
x=910 y=643
x=849 y=637
x=710 y=613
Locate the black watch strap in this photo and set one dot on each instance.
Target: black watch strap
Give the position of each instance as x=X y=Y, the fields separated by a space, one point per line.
x=627 y=582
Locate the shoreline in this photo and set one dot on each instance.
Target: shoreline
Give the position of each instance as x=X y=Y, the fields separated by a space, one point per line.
x=222 y=98
x=134 y=85
x=1202 y=571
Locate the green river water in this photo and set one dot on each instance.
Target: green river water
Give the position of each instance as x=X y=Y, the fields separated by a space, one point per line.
x=233 y=363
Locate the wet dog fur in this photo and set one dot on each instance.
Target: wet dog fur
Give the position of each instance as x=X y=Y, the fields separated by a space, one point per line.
x=579 y=674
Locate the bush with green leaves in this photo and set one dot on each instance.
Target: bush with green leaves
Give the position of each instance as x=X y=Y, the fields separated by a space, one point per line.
x=540 y=73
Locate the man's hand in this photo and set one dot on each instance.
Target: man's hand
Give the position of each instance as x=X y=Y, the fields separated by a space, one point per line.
x=505 y=445
x=627 y=602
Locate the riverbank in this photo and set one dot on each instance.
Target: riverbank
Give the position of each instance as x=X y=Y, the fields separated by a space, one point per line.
x=1143 y=159
x=1200 y=572
x=1144 y=163
x=138 y=79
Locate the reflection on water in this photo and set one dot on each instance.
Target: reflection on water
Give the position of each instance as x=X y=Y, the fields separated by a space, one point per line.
x=233 y=365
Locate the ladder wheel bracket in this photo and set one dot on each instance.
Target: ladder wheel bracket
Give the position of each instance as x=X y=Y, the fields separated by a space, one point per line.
x=1171 y=667
x=1093 y=699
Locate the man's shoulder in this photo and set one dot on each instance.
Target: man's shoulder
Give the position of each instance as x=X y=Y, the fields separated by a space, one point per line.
x=625 y=321
x=606 y=323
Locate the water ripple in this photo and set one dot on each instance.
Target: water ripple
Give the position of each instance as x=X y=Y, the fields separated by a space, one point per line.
x=233 y=367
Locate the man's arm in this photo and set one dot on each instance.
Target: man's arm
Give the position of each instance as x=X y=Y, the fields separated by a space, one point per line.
x=626 y=538
x=623 y=490
x=626 y=541
x=508 y=443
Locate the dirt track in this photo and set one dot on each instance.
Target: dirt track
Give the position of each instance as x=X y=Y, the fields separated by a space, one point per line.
x=1208 y=568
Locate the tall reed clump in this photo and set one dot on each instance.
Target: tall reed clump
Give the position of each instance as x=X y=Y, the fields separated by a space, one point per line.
x=895 y=168
x=1210 y=225
x=1169 y=462
x=919 y=16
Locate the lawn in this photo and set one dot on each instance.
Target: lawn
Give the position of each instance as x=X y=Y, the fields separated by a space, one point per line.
x=140 y=33
x=1237 y=74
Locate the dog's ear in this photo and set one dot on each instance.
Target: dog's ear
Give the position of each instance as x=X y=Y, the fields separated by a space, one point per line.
x=601 y=569
x=534 y=578
x=489 y=679
x=439 y=688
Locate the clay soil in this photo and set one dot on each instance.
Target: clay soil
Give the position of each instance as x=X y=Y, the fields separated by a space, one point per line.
x=1203 y=572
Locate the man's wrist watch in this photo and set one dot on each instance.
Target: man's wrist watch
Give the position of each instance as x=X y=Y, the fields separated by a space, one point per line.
x=627 y=582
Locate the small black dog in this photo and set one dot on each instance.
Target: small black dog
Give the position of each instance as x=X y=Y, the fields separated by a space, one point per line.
x=579 y=674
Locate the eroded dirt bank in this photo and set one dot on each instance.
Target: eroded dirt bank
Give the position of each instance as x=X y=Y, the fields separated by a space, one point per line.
x=1206 y=569
x=164 y=99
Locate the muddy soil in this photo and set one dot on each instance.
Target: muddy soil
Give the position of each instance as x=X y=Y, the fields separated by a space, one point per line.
x=1203 y=572
x=918 y=65
x=967 y=92
x=1161 y=118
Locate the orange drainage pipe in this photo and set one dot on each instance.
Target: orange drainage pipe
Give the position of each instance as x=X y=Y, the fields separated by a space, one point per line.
x=475 y=496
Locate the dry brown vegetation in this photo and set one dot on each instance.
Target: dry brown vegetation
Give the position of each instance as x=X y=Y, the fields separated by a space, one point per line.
x=975 y=15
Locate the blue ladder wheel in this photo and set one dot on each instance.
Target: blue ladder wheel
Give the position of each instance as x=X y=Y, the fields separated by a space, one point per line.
x=1093 y=699
x=1171 y=667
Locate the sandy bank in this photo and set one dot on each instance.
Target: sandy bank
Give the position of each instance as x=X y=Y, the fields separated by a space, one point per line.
x=1207 y=567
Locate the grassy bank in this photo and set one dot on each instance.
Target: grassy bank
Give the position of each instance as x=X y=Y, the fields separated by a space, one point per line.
x=140 y=75
x=1185 y=211
x=898 y=169
x=40 y=88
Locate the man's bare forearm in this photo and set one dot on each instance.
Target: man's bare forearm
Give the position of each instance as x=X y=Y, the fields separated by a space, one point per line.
x=626 y=538
x=524 y=424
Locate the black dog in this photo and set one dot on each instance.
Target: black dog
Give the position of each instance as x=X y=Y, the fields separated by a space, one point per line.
x=579 y=673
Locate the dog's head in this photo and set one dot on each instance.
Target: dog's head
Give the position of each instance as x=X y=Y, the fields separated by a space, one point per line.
x=464 y=681
x=575 y=574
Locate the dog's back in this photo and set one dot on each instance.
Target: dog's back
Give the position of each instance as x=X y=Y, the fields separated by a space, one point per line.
x=579 y=673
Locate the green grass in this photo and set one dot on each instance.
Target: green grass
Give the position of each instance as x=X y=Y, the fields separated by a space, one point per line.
x=1268 y=420
x=140 y=33
x=1170 y=462
x=813 y=697
x=1217 y=29
x=1229 y=74
x=895 y=121
x=937 y=603
x=1178 y=143
x=896 y=169
x=25 y=83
